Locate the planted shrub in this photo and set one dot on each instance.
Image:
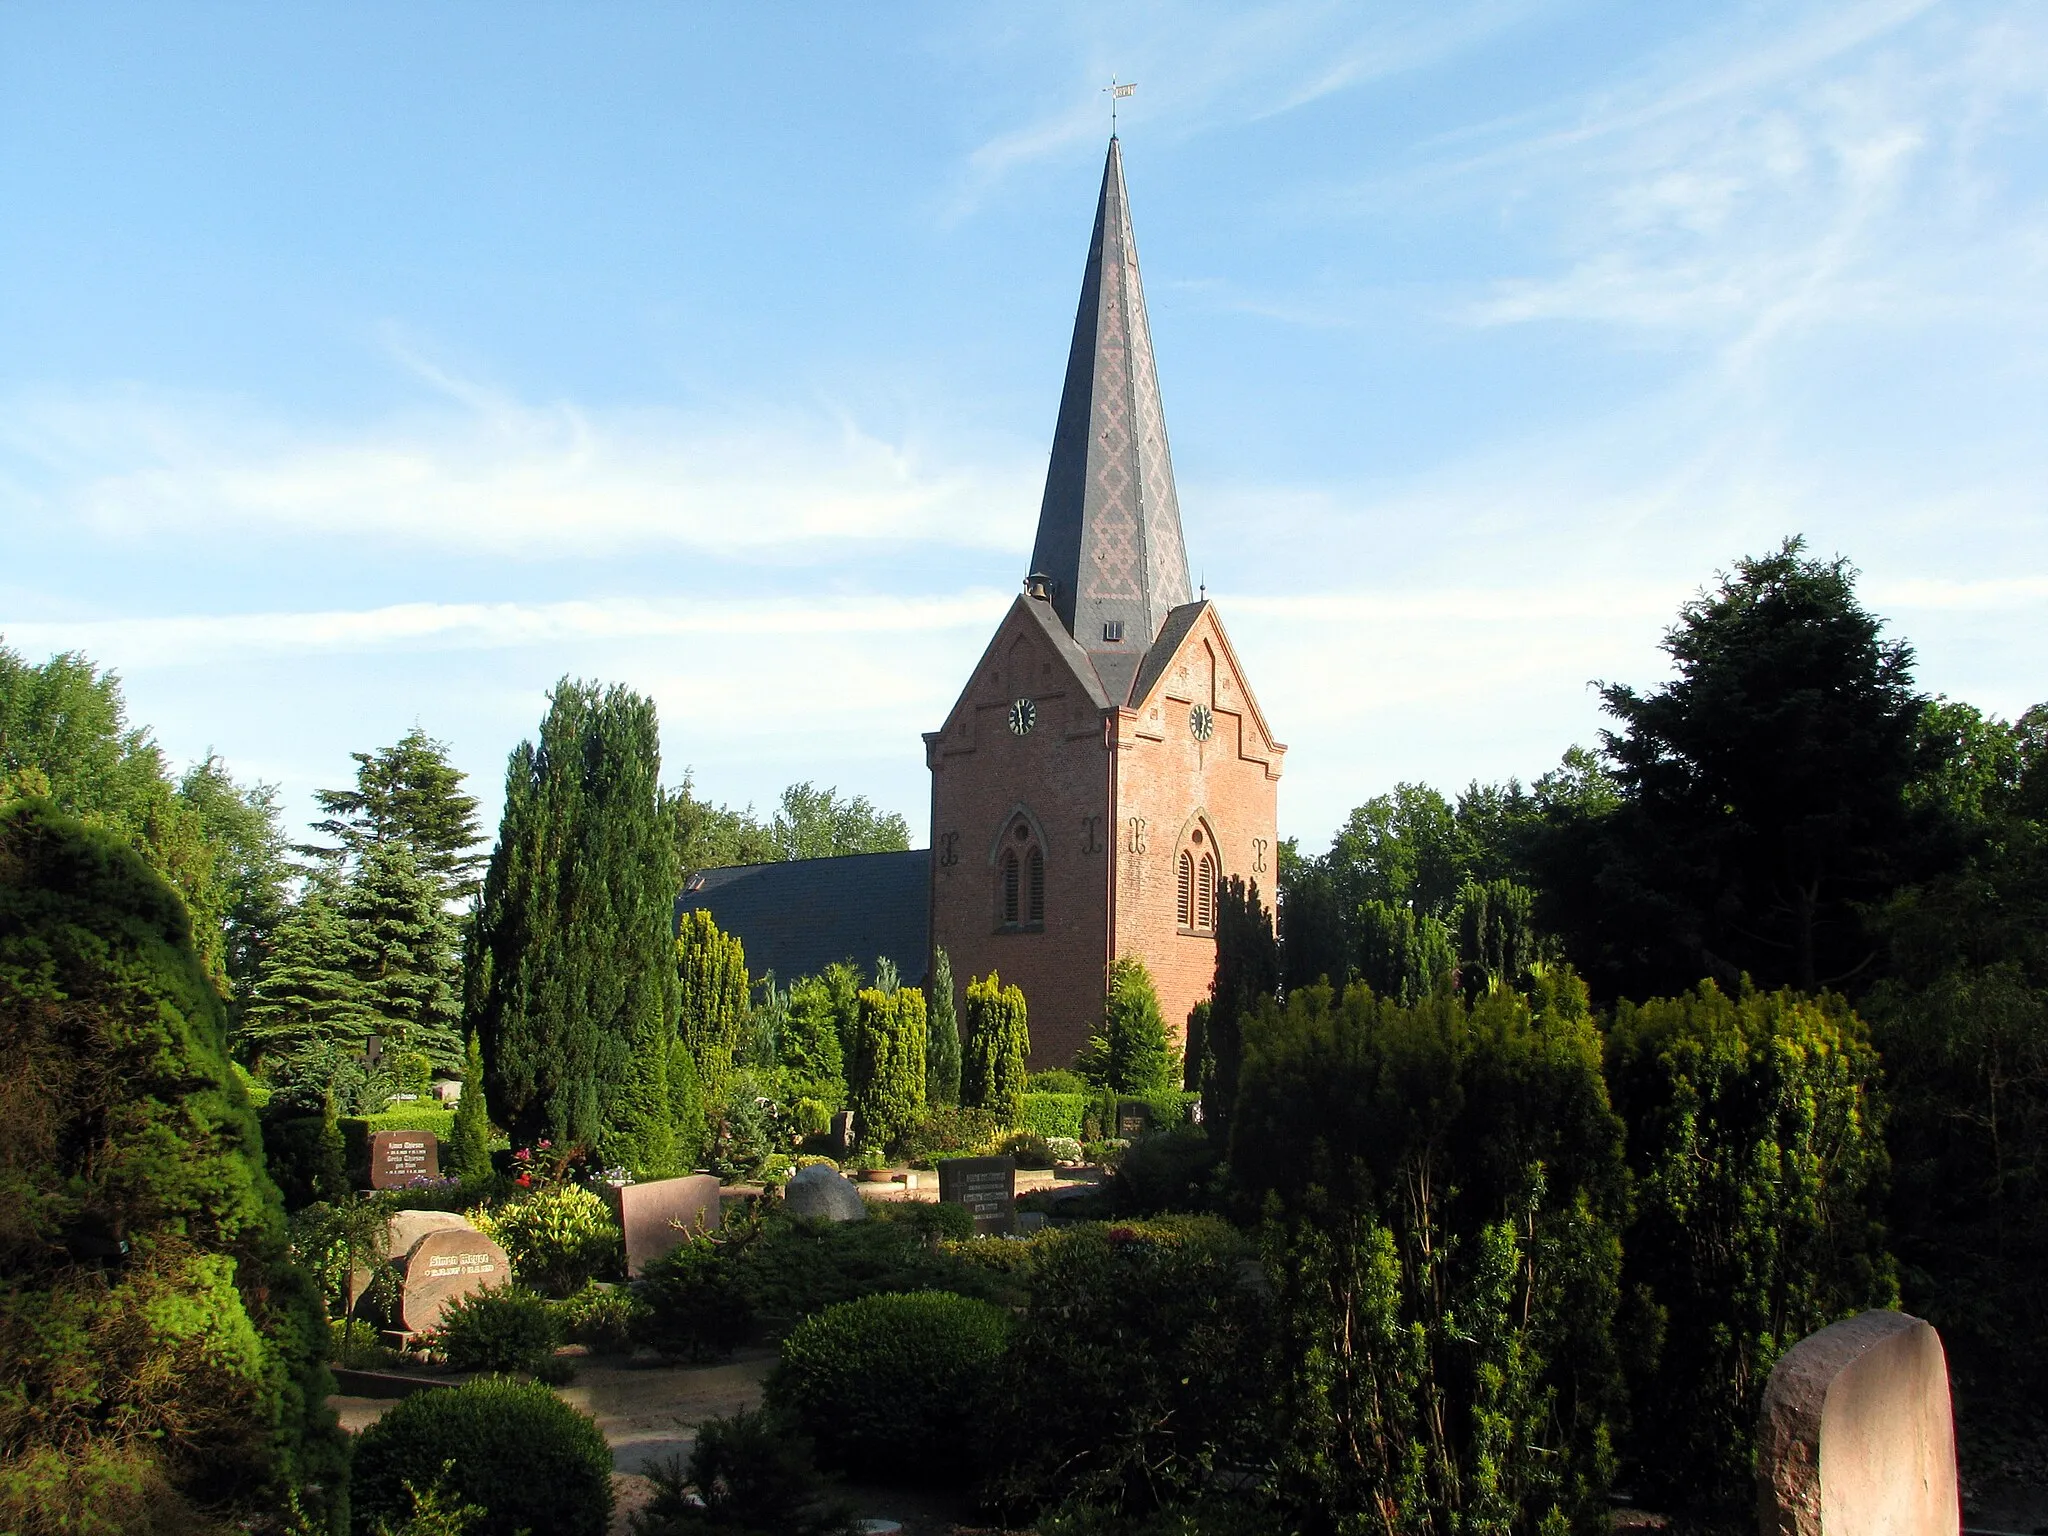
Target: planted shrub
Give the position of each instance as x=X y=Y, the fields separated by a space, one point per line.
x=557 y=1238
x=503 y=1328
x=1057 y=1114
x=692 y=1305
x=949 y=1131
x=1141 y=1371
x=600 y=1319
x=997 y=1044
x=1169 y=1171
x=874 y=1376
x=748 y=1474
x=527 y=1459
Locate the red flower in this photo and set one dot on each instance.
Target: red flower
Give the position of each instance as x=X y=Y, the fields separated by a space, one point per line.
x=525 y=1156
x=545 y=1145
x=524 y=1181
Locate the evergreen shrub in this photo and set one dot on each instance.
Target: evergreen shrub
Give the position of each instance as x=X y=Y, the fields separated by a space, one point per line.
x=748 y=1475
x=998 y=1042
x=600 y=1318
x=1754 y=1134
x=948 y=1131
x=502 y=1328
x=527 y=1459
x=1168 y=1171
x=558 y=1238
x=692 y=1302
x=1055 y=1114
x=887 y=1375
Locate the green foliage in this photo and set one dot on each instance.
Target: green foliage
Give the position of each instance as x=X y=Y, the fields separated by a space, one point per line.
x=749 y=1475
x=601 y=1318
x=688 y=1112
x=1753 y=1133
x=1402 y=956
x=942 y=1045
x=713 y=992
x=557 y=1238
x=951 y=1132
x=571 y=969
x=1443 y=1187
x=1498 y=945
x=1196 y=1060
x=813 y=823
x=1170 y=1171
x=527 y=1459
x=816 y=1028
x=1140 y=1373
x=997 y=1045
x=153 y=1333
x=694 y=1303
x=867 y=1378
x=502 y=1328
x=469 y=1138
x=403 y=945
x=713 y=837
x=1055 y=1114
x=407 y=795
x=888 y=1076
x=749 y=1136
x=1132 y=1054
x=1247 y=975
x=1059 y=1080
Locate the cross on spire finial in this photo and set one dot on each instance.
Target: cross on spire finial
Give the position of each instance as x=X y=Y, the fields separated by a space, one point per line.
x=1116 y=93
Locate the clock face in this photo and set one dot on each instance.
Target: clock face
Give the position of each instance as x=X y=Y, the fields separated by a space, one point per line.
x=1023 y=716
x=1201 y=722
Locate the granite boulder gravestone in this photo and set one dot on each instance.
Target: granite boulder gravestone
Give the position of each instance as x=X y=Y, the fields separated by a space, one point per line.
x=987 y=1186
x=1855 y=1436
x=446 y=1263
x=656 y=1217
x=397 y=1158
x=824 y=1194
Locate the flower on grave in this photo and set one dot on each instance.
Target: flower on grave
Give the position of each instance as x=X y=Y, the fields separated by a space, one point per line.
x=524 y=1156
x=524 y=1181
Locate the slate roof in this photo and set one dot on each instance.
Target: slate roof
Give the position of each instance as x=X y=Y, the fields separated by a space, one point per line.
x=1171 y=633
x=799 y=916
x=1109 y=530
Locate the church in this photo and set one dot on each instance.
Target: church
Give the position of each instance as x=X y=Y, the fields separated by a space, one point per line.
x=1106 y=767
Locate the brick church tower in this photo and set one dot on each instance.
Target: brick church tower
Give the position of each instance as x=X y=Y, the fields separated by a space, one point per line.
x=1106 y=766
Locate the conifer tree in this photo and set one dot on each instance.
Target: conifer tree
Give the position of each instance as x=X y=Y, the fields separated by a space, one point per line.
x=1400 y=955
x=889 y=1063
x=997 y=1046
x=469 y=1142
x=308 y=990
x=407 y=793
x=1132 y=1053
x=571 y=975
x=711 y=968
x=404 y=953
x=1247 y=974
x=942 y=1051
x=686 y=1106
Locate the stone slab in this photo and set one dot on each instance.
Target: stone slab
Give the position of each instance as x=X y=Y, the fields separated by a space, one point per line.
x=399 y=1157
x=1133 y=1119
x=657 y=1216
x=404 y=1229
x=824 y=1194
x=987 y=1186
x=441 y=1266
x=1856 y=1437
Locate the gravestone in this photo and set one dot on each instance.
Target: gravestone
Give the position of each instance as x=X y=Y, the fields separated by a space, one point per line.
x=405 y=1229
x=842 y=1130
x=446 y=1263
x=824 y=1194
x=1855 y=1435
x=987 y=1186
x=1133 y=1119
x=399 y=1157
x=656 y=1216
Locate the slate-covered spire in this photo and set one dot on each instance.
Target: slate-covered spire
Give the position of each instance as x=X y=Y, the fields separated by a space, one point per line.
x=1109 y=527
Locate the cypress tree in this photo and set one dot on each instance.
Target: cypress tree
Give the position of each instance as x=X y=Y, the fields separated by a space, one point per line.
x=469 y=1143
x=1247 y=974
x=686 y=1106
x=942 y=1051
x=1132 y=1053
x=998 y=1043
x=571 y=975
x=889 y=1063
x=711 y=969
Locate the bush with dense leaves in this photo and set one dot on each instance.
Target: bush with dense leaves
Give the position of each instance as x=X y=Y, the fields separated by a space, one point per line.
x=557 y=1238
x=526 y=1458
x=692 y=1305
x=748 y=1475
x=949 y=1131
x=503 y=1328
x=891 y=1374
x=1141 y=1372
x=1168 y=1171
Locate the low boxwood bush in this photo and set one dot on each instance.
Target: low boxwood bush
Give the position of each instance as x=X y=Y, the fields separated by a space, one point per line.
x=949 y=1131
x=891 y=1374
x=1055 y=1114
x=504 y=1328
x=519 y=1453
x=600 y=1318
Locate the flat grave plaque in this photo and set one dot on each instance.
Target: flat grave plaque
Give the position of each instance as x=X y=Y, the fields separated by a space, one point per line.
x=441 y=1266
x=658 y=1215
x=987 y=1186
x=399 y=1157
x=1133 y=1119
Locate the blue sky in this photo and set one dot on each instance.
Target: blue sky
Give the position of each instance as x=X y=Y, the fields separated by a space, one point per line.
x=372 y=364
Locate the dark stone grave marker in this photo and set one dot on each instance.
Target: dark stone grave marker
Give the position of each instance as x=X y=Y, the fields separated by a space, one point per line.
x=399 y=1157
x=1133 y=1119
x=987 y=1186
x=842 y=1130
x=658 y=1215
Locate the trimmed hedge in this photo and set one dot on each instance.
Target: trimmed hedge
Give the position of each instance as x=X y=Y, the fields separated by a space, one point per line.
x=886 y=1375
x=528 y=1459
x=1055 y=1114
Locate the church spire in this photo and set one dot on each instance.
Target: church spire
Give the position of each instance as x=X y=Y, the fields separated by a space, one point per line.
x=1109 y=528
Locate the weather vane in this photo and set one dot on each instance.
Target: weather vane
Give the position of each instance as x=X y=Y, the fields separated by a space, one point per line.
x=1117 y=93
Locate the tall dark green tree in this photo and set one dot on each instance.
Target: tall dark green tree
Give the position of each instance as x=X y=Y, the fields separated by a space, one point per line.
x=997 y=1046
x=407 y=793
x=469 y=1142
x=403 y=955
x=309 y=989
x=1763 y=789
x=1132 y=1053
x=888 y=1070
x=571 y=972
x=713 y=997
x=1247 y=977
x=942 y=1055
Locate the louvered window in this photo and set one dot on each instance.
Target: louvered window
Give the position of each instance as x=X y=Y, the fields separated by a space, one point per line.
x=1009 y=886
x=1036 y=906
x=1187 y=889
x=1205 y=894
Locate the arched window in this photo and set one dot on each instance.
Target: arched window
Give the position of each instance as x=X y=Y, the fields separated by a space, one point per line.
x=1195 y=875
x=1205 y=894
x=1020 y=878
x=1187 y=889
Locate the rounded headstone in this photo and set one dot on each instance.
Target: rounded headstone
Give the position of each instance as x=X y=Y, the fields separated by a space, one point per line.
x=823 y=1193
x=405 y=1229
x=441 y=1266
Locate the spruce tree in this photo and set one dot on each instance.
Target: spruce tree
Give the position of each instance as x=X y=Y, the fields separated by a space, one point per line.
x=997 y=1046
x=711 y=968
x=405 y=955
x=469 y=1143
x=308 y=990
x=1132 y=1053
x=407 y=793
x=942 y=1051
x=571 y=976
